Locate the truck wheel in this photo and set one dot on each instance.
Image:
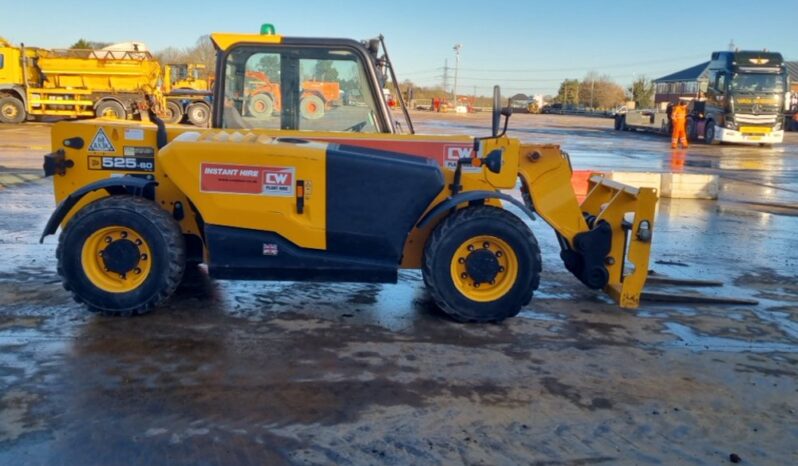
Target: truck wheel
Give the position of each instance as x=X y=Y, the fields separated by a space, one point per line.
x=618 y=122
x=12 y=110
x=173 y=113
x=261 y=106
x=482 y=264
x=110 y=109
x=198 y=114
x=622 y=124
x=709 y=133
x=692 y=130
x=121 y=255
x=311 y=107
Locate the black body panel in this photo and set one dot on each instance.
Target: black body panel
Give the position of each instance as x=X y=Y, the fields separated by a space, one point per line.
x=374 y=199
x=238 y=253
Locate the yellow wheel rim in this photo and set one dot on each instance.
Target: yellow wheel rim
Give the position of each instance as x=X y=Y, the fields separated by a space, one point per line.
x=504 y=263
x=116 y=259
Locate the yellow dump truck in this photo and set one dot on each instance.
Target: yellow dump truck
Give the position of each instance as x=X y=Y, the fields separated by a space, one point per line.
x=36 y=82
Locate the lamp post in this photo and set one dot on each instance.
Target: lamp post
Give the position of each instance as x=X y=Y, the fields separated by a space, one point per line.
x=456 y=49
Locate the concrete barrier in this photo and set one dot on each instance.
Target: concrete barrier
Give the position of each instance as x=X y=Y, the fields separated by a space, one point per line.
x=637 y=179
x=670 y=185
x=689 y=186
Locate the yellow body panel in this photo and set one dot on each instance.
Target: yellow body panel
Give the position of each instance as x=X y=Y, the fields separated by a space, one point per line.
x=224 y=40
x=226 y=205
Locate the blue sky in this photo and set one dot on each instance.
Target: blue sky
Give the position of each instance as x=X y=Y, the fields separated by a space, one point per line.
x=526 y=46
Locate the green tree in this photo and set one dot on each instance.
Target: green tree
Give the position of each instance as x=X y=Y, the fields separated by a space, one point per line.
x=568 y=93
x=81 y=44
x=325 y=71
x=642 y=92
x=270 y=64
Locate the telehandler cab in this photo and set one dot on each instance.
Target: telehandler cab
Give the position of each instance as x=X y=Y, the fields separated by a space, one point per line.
x=343 y=197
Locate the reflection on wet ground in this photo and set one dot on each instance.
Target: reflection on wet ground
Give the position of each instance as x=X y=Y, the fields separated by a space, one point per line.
x=272 y=373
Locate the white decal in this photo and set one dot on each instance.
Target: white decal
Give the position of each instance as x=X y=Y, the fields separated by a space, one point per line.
x=101 y=143
x=134 y=134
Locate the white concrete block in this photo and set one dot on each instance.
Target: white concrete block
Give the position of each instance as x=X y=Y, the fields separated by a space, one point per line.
x=689 y=186
x=637 y=179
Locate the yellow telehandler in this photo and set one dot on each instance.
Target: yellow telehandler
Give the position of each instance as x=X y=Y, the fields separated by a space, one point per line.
x=352 y=196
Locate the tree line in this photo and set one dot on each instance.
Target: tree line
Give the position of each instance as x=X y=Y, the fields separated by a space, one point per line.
x=593 y=91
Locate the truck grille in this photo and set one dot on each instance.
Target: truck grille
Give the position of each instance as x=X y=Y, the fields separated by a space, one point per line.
x=746 y=118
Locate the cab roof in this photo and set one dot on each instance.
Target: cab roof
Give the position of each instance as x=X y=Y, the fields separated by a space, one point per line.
x=225 y=40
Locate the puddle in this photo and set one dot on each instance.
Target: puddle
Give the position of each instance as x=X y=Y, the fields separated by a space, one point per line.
x=691 y=340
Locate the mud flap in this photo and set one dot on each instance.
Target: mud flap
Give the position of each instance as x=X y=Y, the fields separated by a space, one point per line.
x=629 y=213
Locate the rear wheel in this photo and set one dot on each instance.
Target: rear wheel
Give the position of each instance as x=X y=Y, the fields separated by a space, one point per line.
x=12 y=110
x=261 y=106
x=618 y=119
x=121 y=255
x=198 y=114
x=111 y=109
x=311 y=107
x=173 y=113
x=482 y=264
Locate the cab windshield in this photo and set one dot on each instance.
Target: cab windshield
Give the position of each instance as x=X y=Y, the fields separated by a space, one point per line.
x=302 y=88
x=757 y=83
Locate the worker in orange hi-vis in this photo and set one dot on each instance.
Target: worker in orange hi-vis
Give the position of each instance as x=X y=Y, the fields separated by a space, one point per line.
x=679 y=121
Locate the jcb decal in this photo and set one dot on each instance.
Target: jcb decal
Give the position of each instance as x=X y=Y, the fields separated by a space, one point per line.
x=132 y=164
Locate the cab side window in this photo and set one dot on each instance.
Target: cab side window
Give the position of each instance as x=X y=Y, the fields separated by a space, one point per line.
x=298 y=89
x=2 y=61
x=720 y=82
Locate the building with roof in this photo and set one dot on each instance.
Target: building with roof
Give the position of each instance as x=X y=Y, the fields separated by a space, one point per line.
x=682 y=83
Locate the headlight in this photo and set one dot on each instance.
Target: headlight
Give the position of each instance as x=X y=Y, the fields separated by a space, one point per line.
x=777 y=126
x=730 y=124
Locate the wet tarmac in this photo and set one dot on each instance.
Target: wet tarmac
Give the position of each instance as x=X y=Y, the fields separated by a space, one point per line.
x=297 y=373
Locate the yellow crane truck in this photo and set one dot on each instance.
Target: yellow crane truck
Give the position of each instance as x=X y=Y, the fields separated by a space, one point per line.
x=346 y=197
x=73 y=83
x=187 y=92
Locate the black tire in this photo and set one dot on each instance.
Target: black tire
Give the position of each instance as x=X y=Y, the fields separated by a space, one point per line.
x=692 y=130
x=617 y=124
x=110 y=109
x=261 y=106
x=199 y=114
x=12 y=110
x=709 y=133
x=173 y=113
x=143 y=218
x=456 y=230
x=311 y=107
x=622 y=124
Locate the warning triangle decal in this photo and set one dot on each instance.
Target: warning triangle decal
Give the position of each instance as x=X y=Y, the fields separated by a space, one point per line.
x=101 y=143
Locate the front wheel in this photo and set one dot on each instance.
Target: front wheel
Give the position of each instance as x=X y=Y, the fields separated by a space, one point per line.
x=482 y=264
x=709 y=133
x=12 y=110
x=121 y=255
x=311 y=107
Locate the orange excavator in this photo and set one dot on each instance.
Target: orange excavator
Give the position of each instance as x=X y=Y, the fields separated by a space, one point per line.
x=263 y=97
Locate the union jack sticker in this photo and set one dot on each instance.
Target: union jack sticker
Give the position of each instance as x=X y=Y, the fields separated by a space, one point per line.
x=270 y=249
